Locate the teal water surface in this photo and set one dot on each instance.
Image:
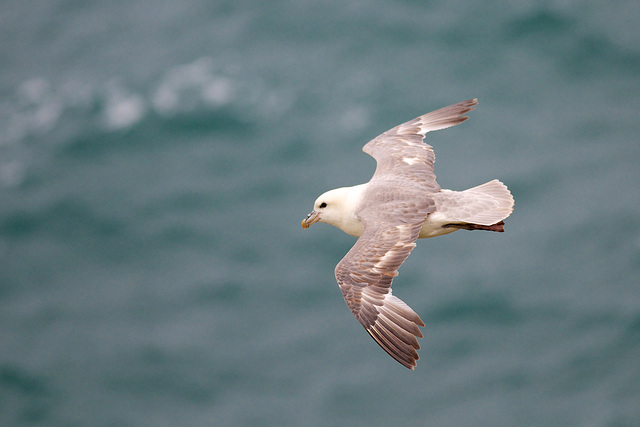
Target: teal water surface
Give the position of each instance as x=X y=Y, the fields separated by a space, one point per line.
x=156 y=159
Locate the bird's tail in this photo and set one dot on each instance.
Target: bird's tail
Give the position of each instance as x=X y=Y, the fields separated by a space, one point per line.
x=480 y=208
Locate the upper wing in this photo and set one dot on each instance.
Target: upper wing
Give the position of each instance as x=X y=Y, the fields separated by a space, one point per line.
x=401 y=151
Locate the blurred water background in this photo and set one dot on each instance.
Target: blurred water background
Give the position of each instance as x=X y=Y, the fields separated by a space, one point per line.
x=156 y=159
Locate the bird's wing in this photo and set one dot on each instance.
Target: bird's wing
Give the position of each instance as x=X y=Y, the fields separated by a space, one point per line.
x=366 y=272
x=401 y=150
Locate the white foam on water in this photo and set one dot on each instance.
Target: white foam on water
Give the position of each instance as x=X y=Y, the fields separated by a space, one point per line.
x=188 y=86
x=35 y=109
x=123 y=109
x=218 y=91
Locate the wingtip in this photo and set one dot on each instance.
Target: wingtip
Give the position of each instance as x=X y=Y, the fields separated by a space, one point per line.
x=412 y=365
x=468 y=105
x=471 y=102
x=396 y=331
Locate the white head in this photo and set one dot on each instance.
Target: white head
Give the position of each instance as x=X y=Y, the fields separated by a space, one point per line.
x=337 y=207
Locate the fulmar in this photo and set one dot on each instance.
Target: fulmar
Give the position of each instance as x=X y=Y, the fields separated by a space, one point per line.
x=400 y=204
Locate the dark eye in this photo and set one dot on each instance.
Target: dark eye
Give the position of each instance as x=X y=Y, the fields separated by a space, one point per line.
x=323 y=205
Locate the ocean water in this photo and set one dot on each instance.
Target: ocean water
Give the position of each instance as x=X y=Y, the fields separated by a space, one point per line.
x=156 y=159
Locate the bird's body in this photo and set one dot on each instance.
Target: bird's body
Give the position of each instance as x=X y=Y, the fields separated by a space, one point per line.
x=401 y=203
x=491 y=200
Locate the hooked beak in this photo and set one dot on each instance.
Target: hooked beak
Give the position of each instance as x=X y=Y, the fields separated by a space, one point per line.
x=310 y=219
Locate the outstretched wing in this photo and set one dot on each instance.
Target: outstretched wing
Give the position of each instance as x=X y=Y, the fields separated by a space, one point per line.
x=393 y=209
x=366 y=272
x=401 y=153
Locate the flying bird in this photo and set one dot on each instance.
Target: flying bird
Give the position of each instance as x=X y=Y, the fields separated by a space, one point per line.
x=400 y=204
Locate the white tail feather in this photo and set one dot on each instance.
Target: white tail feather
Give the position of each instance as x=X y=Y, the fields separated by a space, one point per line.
x=486 y=204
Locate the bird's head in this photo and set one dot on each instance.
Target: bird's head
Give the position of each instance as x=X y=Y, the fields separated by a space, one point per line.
x=328 y=208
